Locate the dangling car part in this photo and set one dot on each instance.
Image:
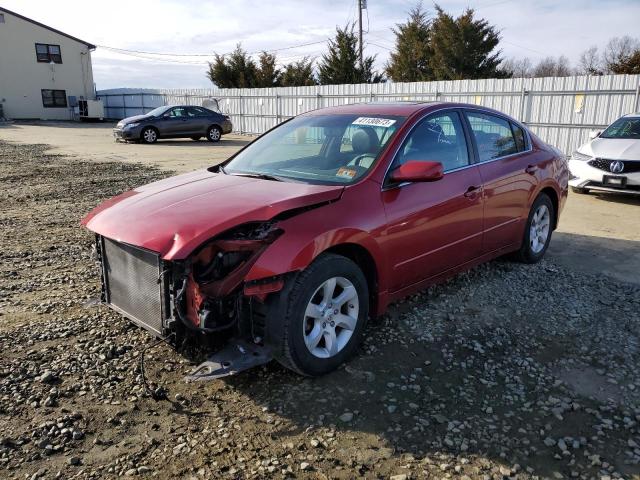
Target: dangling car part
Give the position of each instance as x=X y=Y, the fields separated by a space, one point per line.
x=287 y=248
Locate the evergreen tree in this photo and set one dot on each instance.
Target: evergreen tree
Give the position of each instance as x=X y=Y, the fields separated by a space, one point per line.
x=268 y=74
x=341 y=63
x=410 y=60
x=464 y=47
x=298 y=74
x=236 y=71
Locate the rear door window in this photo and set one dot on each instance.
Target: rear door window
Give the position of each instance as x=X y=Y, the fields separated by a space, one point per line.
x=493 y=136
x=197 y=112
x=518 y=134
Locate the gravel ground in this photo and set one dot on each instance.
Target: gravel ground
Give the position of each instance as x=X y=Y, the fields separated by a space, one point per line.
x=506 y=371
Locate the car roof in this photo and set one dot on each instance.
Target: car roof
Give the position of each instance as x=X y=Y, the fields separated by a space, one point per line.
x=632 y=115
x=404 y=109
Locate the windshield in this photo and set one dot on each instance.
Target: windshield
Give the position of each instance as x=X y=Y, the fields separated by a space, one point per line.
x=623 y=128
x=322 y=149
x=158 y=111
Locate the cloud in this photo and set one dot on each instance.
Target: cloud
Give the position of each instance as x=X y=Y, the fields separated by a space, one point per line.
x=533 y=29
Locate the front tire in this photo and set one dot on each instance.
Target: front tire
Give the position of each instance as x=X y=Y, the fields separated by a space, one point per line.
x=214 y=134
x=320 y=316
x=538 y=229
x=149 y=135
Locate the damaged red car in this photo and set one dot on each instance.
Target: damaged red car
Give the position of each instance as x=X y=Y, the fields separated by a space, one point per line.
x=286 y=249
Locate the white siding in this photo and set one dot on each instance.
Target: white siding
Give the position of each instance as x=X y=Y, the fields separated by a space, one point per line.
x=22 y=78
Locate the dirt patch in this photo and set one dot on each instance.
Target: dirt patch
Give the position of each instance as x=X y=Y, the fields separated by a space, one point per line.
x=472 y=378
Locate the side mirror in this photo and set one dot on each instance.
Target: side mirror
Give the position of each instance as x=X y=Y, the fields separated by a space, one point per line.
x=417 y=171
x=594 y=134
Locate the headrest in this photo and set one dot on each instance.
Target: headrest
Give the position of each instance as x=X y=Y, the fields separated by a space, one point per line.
x=364 y=140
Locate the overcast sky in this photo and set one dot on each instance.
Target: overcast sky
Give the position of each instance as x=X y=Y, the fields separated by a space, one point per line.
x=532 y=28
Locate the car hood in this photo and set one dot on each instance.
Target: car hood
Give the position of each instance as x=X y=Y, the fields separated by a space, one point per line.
x=176 y=215
x=613 y=148
x=135 y=118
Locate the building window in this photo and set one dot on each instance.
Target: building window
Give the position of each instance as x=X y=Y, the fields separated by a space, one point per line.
x=1 y=17
x=54 y=98
x=48 y=53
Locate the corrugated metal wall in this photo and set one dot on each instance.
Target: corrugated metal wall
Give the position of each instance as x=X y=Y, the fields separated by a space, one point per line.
x=560 y=110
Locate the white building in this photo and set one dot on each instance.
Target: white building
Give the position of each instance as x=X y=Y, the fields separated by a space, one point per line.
x=42 y=71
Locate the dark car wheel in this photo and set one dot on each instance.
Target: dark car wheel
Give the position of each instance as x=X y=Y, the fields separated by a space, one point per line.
x=149 y=135
x=537 y=233
x=581 y=191
x=195 y=139
x=214 y=134
x=323 y=313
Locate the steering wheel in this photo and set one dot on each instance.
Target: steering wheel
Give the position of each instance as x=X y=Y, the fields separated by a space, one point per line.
x=357 y=160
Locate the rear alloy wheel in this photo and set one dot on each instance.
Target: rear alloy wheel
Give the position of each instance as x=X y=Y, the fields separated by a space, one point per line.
x=149 y=135
x=325 y=311
x=538 y=230
x=214 y=134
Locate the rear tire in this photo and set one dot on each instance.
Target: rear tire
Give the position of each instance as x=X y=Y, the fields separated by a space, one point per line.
x=214 y=134
x=538 y=230
x=580 y=191
x=149 y=135
x=318 y=320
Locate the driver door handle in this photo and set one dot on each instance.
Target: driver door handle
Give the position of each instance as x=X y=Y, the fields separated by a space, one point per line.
x=472 y=192
x=531 y=169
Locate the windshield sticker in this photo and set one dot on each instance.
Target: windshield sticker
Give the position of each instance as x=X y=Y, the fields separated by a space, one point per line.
x=374 y=122
x=346 y=173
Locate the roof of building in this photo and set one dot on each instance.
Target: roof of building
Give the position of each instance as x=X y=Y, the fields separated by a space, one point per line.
x=90 y=45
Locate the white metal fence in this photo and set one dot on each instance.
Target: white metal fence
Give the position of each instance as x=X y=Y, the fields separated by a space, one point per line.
x=560 y=110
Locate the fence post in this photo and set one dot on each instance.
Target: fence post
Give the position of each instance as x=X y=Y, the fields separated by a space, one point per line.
x=636 y=107
x=124 y=106
x=318 y=100
x=277 y=109
x=142 y=102
x=241 y=114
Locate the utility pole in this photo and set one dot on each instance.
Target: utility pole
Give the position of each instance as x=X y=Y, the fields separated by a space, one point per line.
x=361 y=4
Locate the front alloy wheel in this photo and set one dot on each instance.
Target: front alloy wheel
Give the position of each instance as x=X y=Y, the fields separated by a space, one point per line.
x=149 y=135
x=319 y=318
x=331 y=317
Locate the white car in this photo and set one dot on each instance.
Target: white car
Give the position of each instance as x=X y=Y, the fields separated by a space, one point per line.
x=610 y=161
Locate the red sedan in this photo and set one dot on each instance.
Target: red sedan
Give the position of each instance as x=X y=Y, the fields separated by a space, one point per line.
x=287 y=248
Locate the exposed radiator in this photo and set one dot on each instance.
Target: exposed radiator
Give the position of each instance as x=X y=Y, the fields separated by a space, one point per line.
x=132 y=283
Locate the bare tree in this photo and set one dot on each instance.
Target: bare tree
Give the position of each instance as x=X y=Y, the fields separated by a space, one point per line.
x=590 y=62
x=619 y=50
x=517 y=67
x=553 y=67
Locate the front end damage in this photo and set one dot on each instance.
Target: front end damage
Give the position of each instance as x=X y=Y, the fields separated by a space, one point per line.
x=203 y=298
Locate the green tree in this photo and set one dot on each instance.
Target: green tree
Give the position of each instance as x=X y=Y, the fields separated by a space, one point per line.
x=267 y=74
x=464 y=47
x=236 y=70
x=410 y=60
x=341 y=63
x=298 y=74
x=629 y=65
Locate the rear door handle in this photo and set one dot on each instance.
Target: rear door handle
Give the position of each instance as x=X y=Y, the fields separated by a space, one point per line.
x=472 y=192
x=531 y=169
